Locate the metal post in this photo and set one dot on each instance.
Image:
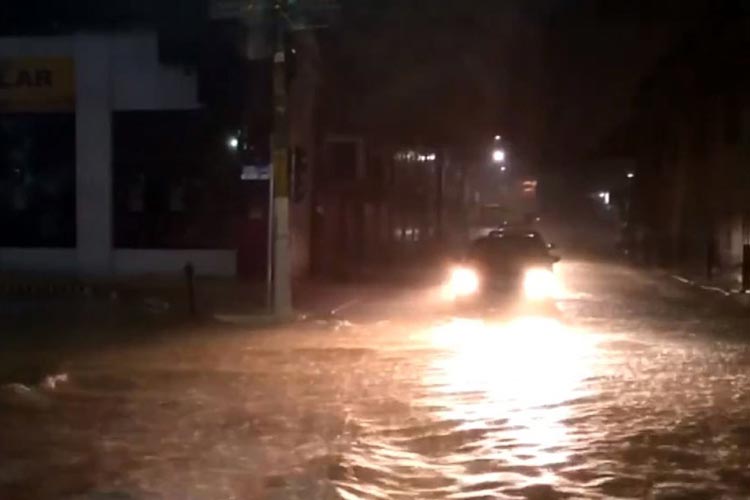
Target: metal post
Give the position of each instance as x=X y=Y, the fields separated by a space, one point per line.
x=282 y=293
x=189 y=270
x=710 y=256
x=269 y=243
x=746 y=267
x=440 y=172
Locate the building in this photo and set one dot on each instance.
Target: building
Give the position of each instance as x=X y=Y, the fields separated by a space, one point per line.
x=690 y=138
x=71 y=109
x=378 y=205
x=126 y=145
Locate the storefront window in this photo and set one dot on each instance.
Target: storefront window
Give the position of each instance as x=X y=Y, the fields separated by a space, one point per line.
x=37 y=180
x=174 y=181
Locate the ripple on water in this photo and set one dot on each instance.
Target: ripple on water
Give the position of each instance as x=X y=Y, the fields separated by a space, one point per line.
x=491 y=413
x=435 y=445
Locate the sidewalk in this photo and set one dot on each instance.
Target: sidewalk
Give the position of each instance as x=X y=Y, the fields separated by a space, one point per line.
x=32 y=296
x=42 y=323
x=54 y=311
x=726 y=283
x=48 y=318
x=39 y=332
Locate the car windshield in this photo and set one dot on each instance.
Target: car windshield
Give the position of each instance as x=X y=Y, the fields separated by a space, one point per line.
x=508 y=247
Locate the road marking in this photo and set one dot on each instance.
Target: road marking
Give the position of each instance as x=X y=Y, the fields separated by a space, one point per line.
x=345 y=305
x=716 y=289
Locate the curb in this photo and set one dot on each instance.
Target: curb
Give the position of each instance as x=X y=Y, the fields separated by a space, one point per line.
x=295 y=316
x=43 y=289
x=256 y=320
x=737 y=296
x=707 y=288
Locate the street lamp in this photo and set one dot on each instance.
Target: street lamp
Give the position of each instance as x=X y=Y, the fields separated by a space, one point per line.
x=498 y=156
x=630 y=175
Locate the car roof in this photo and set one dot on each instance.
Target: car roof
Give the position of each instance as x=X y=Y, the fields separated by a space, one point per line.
x=514 y=232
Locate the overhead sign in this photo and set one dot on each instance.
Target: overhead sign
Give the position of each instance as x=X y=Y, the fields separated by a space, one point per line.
x=37 y=85
x=247 y=10
x=255 y=172
x=229 y=9
x=299 y=14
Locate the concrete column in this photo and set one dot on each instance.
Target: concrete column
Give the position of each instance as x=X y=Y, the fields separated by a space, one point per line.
x=93 y=155
x=282 y=292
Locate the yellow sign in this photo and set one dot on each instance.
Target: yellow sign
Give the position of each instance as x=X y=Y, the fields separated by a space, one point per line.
x=37 y=85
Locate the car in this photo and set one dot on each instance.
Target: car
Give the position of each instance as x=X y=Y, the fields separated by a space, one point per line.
x=508 y=264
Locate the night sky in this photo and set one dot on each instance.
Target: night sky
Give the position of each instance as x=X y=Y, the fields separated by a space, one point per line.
x=553 y=76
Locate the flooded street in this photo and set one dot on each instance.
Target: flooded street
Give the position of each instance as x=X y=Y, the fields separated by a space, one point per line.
x=636 y=389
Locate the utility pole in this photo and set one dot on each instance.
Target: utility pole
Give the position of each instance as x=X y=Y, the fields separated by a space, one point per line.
x=440 y=165
x=282 y=279
x=280 y=17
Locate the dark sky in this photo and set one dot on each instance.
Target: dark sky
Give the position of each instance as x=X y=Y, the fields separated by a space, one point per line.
x=554 y=76
x=597 y=53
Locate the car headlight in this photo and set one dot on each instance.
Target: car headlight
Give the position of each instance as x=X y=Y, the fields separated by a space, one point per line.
x=463 y=281
x=539 y=284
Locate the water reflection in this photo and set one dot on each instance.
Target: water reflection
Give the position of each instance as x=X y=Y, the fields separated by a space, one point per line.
x=515 y=380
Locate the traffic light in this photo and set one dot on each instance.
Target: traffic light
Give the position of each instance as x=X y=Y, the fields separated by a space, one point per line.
x=300 y=174
x=291 y=61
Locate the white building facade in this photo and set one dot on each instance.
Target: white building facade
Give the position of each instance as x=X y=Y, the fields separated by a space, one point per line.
x=89 y=77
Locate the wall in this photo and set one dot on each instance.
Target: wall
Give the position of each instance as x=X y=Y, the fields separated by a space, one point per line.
x=205 y=262
x=302 y=98
x=112 y=72
x=692 y=136
x=140 y=82
x=38 y=260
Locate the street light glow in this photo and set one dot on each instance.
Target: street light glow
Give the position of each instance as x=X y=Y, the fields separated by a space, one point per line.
x=498 y=156
x=233 y=143
x=631 y=175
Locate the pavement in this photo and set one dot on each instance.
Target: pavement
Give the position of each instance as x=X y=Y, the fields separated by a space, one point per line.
x=43 y=320
x=637 y=387
x=44 y=325
x=726 y=283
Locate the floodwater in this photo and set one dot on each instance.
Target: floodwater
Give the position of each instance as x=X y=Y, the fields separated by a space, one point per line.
x=636 y=389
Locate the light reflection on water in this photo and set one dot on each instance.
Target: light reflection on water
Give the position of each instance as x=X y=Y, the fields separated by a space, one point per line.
x=653 y=406
x=524 y=370
x=530 y=408
x=499 y=398
x=528 y=362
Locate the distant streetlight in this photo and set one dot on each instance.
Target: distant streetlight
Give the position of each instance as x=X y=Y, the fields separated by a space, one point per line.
x=498 y=156
x=497 y=137
x=233 y=143
x=503 y=168
x=631 y=175
x=604 y=196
